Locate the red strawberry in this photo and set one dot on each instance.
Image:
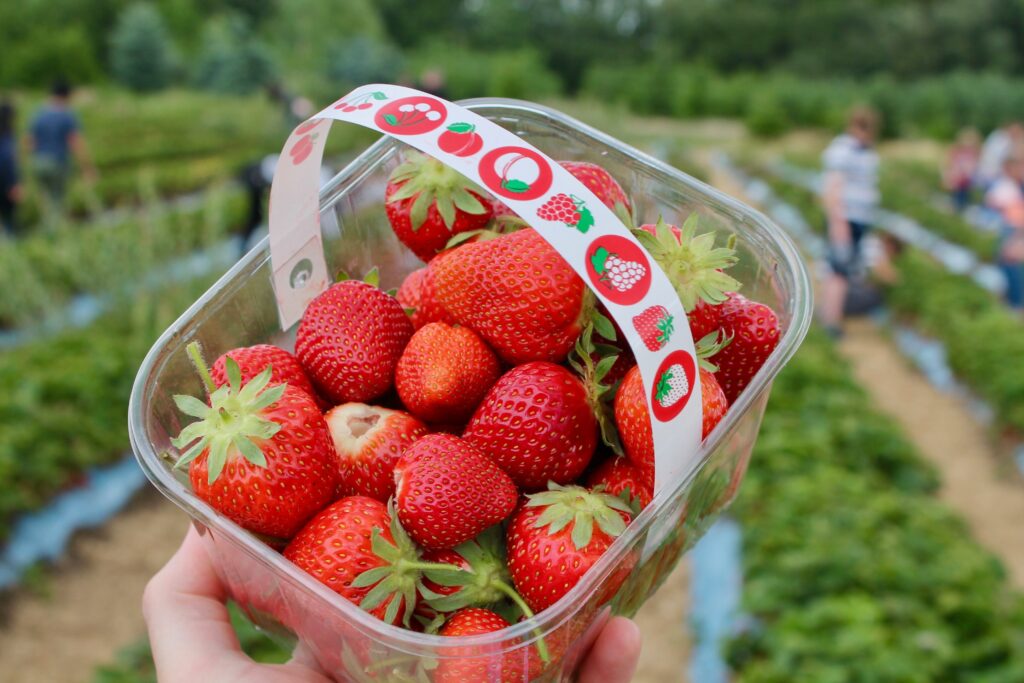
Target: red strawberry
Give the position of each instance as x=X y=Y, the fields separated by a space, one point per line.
x=261 y=456
x=620 y=477
x=536 y=423
x=713 y=401
x=655 y=326
x=427 y=202
x=350 y=339
x=448 y=492
x=252 y=360
x=704 y=319
x=601 y=183
x=419 y=293
x=754 y=329
x=517 y=293
x=557 y=535
x=369 y=440
x=692 y=262
x=445 y=372
x=475 y=666
x=356 y=548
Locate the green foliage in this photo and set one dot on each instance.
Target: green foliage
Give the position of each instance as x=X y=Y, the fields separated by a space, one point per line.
x=232 y=61
x=63 y=51
x=363 y=60
x=141 y=54
x=514 y=73
x=841 y=537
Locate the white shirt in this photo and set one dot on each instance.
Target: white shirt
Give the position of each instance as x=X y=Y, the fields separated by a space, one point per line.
x=993 y=154
x=858 y=166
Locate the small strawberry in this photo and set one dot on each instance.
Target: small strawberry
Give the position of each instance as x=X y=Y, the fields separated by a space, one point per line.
x=655 y=326
x=754 y=329
x=620 y=477
x=602 y=184
x=556 y=536
x=427 y=202
x=357 y=548
x=536 y=423
x=252 y=360
x=692 y=262
x=258 y=454
x=444 y=373
x=448 y=492
x=474 y=621
x=350 y=339
x=517 y=293
x=369 y=440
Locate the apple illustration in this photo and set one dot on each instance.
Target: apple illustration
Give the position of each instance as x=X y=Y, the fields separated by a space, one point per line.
x=301 y=149
x=461 y=140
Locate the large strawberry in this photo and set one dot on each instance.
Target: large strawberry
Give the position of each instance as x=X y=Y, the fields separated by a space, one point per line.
x=417 y=296
x=556 y=536
x=259 y=454
x=350 y=339
x=754 y=329
x=517 y=293
x=602 y=184
x=252 y=360
x=445 y=372
x=537 y=424
x=447 y=492
x=620 y=477
x=369 y=440
x=427 y=202
x=357 y=548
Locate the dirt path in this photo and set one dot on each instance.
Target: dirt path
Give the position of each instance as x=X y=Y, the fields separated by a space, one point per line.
x=974 y=481
x=666 y=631
x=93 y=607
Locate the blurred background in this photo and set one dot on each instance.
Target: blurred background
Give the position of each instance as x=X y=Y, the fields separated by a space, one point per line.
x=878 y=537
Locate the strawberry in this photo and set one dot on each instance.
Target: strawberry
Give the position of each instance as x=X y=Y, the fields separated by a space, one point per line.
x=258 y=454
x=476 y=666
x=517 y=293
x=416 y=296
x=537 y=425
x=252 y=360
x=357 y=548
x=369 y=440
x=557 y=535
x=704 y=318
x=427 y=202
x=350 y=339
x=754 y=329
x=713 y=401
x=445 y=372
x=620 y=477
x=447 y=491
x=655 y=326
x=602 y=184
x=692 y=262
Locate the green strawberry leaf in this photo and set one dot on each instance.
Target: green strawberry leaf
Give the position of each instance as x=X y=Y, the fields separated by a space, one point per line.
x=446 y=208
x=586 y=220
x=390 y=118
x=467 y=202
x=191 y=406
x=603 y=326
x=516 y=186
x=372 y=277
x=462 y=127
x=599 y=259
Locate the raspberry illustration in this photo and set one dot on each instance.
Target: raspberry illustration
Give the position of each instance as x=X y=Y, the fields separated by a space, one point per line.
x=567 y=209
x=618 y=273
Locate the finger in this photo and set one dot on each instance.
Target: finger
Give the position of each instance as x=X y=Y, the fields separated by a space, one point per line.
x=189 y=628
x=615 y=654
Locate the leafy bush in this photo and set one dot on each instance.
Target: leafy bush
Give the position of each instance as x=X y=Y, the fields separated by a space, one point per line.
x=141 y=54
x=362 y=59
x=233 y=60
x=517 y=73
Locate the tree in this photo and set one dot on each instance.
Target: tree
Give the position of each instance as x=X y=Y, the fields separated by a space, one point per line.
x=141 y=53
x=233 y=60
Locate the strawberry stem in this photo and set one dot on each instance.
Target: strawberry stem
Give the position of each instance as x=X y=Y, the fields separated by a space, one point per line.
x=542 y=647
x=195 y=354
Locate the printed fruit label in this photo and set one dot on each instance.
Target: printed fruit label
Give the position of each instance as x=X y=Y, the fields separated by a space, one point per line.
x=515 y=172
x=619 y=269
x=655 y=326
x=411 y=115
x=567 y=209
x=673 y=385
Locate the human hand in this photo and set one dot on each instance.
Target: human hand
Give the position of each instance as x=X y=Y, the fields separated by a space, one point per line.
x=192 y=637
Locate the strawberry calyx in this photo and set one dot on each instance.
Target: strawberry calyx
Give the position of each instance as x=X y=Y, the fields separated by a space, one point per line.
x=431 y=182
x=232 y=423
x=599 y=394
x=399 y=581
x=709 y=345
x=565 y=505
x=484 y=583
x=692 y=262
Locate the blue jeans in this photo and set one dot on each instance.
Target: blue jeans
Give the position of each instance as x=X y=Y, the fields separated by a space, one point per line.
x=1014 y=273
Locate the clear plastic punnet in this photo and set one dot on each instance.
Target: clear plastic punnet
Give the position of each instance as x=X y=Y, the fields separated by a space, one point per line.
x=241 y=309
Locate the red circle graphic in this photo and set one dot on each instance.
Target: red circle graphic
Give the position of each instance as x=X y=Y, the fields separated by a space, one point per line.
x=665 y=400
x=502 y=181
x=411 y=115
x=619 y=269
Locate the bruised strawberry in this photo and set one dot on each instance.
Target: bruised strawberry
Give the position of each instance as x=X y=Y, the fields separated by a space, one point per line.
x=445 y=372
x=428 y=202
x=517 y=293
x=350 y=339
x=537 y=424
x=258 y=454
x=369 y=440
x=447 y=492
x=754 y=329
x=556 y=536
x=601 y=183
x=620 y=477
x=252 y=360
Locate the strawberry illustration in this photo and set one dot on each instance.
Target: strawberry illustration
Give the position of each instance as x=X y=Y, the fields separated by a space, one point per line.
x=461 y=140
x=655 y=326
x=427 y=203
x=672 y=386
x=357 y=548
x=621 y=477
x=252 y=360
x=369 y=440
x=445 y=372
x=258 y=454
x=567 y=209
x=350 y=339
x=301 y=150
x=602 y=184
x=517 y=293
x=556 y=536
x=615 y=272
x=536 y=423
x=447 y=492
x=754 y=329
